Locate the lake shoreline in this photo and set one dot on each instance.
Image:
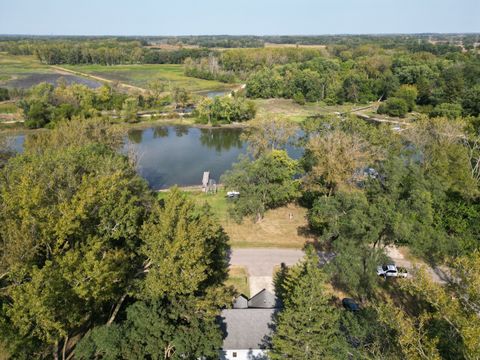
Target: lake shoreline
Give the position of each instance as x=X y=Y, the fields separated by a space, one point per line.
x=19 y=129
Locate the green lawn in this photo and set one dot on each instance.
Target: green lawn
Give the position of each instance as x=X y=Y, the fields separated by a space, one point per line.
x=277 y=229
x=237 y=277
x=141 y=75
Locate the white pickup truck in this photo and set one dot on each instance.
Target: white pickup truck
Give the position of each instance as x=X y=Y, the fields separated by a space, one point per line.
x=391 y=271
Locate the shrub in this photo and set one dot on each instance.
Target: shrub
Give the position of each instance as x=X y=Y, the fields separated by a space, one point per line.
x=299 y=98
x=449 y=110
x=4 y=94
x=393 y=107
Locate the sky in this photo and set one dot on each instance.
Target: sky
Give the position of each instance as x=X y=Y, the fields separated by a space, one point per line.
x=240 y=17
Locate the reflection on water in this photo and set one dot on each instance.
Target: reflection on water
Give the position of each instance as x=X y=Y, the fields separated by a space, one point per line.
x=221 y=139
x=170 y=155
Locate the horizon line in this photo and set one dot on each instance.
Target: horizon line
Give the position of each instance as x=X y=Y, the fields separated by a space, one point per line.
x=252 y=35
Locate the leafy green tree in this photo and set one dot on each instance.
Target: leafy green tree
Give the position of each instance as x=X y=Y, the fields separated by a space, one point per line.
x=333 y=159
x=394 y=107
x=409 y=94
x=158 y=330
x=69 y=224
x=225 y=109
x=451 y=111
x=456 y=307
x=308 y=325
x=180 y=97
x=4 y=94
x=130 y=109
x=357 y=231
x=266 y=134
x=265 y=183
x=299 y=98
x=264 y=84
x=184 y=245
x=471 y=101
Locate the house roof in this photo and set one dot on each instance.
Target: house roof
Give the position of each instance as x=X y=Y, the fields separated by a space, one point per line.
x=264 y=300
x=240 y=302
x=246 y=328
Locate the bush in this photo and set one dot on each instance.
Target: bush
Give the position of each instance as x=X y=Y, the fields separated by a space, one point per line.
x=4 y=94
x=409 y=94
x=449 y=110
x=393 y=107
x=299 y=98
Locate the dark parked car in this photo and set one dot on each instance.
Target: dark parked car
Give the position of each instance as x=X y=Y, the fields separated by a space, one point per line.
x=350 y=304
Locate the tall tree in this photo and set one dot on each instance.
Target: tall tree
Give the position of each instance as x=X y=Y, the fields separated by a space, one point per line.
x=69 y=230
x=308 y=325
x=268 y=134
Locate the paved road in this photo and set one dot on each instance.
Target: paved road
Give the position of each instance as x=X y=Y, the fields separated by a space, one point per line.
x=260 y=264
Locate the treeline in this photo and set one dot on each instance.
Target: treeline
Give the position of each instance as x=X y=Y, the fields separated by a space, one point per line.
x=219 y=41
x=367 y=74
x=103 y=52
x=45 y=105
x=207 y=68
x=225 y=110
x=104 y=272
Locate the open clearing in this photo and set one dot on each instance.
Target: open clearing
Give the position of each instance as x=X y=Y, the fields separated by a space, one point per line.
x=296 y=112
x=276 y=230
x=141 y=75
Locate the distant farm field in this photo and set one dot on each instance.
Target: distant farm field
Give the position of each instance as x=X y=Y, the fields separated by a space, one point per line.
x=26 y=71
x=141 y=75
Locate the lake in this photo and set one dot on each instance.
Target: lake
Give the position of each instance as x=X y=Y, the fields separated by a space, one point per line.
x=178 y=155
x=169 y=155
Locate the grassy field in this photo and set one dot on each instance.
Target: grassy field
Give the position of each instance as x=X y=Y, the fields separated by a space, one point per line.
x=238 y=278
x=296 y=112
x=8 y=108
x=141 y=75
x=275 y=230
x=17 y=67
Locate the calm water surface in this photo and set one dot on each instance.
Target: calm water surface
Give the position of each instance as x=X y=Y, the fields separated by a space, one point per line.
x=169 y=155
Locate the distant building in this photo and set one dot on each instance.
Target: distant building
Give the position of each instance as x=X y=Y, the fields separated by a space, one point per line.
x=248 y=327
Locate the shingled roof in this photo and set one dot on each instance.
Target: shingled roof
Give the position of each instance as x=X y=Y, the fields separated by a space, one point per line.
x=263 y=300
x=246 y=328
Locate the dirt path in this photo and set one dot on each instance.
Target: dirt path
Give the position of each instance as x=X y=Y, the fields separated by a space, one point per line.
x=62 y=70
x=438 y=274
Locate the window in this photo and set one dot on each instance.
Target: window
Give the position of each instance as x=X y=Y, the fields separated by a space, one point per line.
x=234 y=354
